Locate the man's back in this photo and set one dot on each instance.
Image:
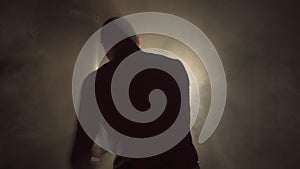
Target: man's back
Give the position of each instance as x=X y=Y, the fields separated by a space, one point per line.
x=183 y=155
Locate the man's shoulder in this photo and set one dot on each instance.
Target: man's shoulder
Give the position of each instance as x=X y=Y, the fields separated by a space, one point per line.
x=105 y=68
x=165 y=58
x=109 y=66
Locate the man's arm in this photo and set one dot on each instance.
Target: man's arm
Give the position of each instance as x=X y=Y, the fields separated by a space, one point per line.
x=82 y=150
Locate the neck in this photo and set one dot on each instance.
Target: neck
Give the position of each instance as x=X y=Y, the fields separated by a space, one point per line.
x=126 y=51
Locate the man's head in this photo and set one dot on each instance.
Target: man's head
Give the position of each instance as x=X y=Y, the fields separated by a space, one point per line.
x=119 y=26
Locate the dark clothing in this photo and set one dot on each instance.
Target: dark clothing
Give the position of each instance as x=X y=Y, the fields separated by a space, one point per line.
x=182 y=156
x=82 y=150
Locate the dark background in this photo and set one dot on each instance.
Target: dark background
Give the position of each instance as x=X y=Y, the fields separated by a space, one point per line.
x=258 y=43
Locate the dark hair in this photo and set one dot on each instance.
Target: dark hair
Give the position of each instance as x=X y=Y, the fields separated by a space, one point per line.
x=110 y=20
x=132 y=38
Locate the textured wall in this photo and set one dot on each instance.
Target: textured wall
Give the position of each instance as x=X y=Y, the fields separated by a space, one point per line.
x=257 y=42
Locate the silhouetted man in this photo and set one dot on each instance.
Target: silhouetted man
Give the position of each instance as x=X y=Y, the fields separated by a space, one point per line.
x=181 y=156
